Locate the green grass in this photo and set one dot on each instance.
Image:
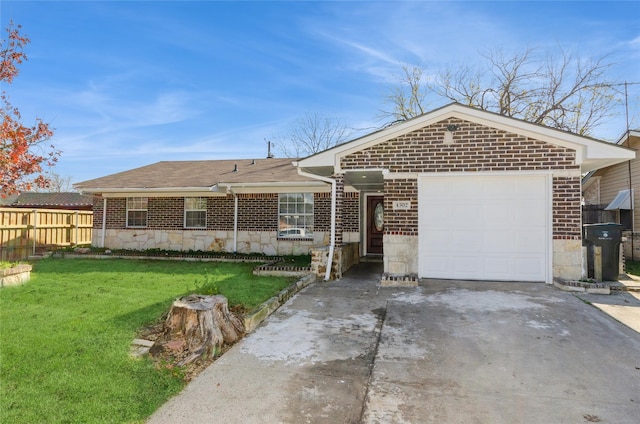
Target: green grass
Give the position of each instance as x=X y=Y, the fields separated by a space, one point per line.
x=632 y=267
x=65 y=335
x=6 y=265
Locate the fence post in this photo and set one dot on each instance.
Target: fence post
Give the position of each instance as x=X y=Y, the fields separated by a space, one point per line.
x=597 y=263
x=77 y=225
x=35 y=230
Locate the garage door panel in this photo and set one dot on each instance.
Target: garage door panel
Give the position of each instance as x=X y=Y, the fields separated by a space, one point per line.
x=528 y=188
x=500 y=240
x=440 y=238
x=529 y=241
x=484 y=227
x=529 y=212
x=465 y=189
x=529 y=265
x=467 y=242
x=438 y=213
x=439 y=265
x=501 y=188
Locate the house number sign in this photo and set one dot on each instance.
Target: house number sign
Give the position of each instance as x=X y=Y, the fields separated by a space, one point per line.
x=401 y=205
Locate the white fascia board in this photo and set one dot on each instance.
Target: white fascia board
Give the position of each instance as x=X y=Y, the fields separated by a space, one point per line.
x=217 y=190
x=162 y=194
x=146 y=190
x=278 y=187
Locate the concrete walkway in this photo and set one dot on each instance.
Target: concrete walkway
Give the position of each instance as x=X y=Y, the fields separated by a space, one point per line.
x=444 y=352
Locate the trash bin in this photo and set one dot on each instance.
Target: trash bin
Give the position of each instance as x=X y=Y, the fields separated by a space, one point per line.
x=608 y=236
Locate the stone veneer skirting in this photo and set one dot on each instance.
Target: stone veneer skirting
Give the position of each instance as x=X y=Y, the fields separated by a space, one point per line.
x=400 y=255
x=567 y=259
x=265 y=242
x=344 y=257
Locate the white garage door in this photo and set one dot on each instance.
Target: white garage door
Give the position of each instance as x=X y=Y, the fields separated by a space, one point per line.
x=484 y=227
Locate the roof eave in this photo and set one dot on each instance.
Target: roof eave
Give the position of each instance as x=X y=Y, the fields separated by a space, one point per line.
x=142 y=189
x=221 y=187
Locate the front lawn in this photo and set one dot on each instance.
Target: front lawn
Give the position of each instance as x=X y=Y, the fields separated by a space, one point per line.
x=65 y=335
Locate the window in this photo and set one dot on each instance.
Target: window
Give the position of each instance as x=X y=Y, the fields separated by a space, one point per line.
x=295 y=215
x=195 y=212
x=137 y=211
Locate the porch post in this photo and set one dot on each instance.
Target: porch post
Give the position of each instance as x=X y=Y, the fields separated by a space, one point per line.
x=339 y=178
x=103 y=231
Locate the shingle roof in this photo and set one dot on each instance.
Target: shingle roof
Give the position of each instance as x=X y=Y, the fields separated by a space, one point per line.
x=206 y=173
x=65 y=199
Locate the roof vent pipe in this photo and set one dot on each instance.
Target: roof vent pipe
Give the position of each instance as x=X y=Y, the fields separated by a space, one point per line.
x=253 y=161
x=235 y=167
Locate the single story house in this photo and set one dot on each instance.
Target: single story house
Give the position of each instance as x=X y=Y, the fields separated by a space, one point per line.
x=456 y=193
x=613 y=188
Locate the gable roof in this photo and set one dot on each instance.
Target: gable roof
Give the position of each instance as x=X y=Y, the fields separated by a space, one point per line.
x=590 y=153
x=205 y=175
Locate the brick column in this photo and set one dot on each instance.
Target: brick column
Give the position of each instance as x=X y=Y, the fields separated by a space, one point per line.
x=339 y=203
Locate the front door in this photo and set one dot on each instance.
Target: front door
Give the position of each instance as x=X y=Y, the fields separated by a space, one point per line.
x=375 y=224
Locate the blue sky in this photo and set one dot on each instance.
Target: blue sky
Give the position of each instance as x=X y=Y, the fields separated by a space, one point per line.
x=129 y=83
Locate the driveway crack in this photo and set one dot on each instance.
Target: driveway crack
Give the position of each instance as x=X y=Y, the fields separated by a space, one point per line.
x=381 y=319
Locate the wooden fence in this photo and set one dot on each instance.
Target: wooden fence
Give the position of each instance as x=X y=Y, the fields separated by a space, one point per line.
x=595 y=214
x=26 y=232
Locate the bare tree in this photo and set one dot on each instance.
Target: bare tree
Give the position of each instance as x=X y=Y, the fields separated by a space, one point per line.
x=312 y=133
x=567 y=93
x=408 y=97
x=56 y=183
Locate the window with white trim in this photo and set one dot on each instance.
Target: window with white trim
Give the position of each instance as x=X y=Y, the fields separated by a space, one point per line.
x=295 y=215
x=195 y=212
x=137 y=212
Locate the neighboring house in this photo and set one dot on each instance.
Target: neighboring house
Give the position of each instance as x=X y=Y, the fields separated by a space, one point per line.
x=615 y=191
x=456 y=193
x=64 y=200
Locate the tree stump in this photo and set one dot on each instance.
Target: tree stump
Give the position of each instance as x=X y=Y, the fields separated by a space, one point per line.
x=198 y=326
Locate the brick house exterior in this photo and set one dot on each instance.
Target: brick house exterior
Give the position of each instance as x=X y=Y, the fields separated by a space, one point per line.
x=257 y=225
x=242 y=204
x=455 y=193
x=466 y=145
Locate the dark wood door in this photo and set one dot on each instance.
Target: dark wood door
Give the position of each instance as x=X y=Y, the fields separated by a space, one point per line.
x=375 y=224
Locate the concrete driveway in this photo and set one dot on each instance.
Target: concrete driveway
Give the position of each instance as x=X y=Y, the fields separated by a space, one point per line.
x=444 y=352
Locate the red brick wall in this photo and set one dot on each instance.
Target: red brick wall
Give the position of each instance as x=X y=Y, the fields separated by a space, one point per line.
x=116 y=214
x=475 y=148
x=401 y=222
x=220 y=213
x=566 y=200
x=322 y=212
x=165 y=212
x=351 y=212
x=97 y=211
x=256 y=212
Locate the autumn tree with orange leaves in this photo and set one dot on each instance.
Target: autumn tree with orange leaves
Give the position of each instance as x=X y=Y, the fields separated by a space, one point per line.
x=22 y=153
